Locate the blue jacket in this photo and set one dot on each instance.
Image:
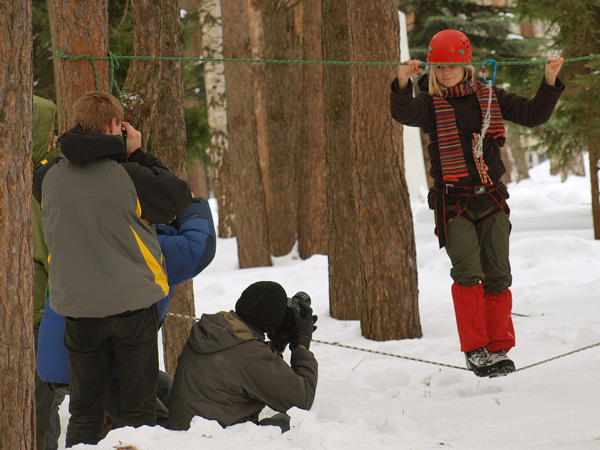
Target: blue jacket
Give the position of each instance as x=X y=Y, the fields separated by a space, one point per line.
x=188 y=245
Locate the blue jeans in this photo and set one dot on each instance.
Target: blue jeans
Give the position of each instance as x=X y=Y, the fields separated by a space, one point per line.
x=95 y=345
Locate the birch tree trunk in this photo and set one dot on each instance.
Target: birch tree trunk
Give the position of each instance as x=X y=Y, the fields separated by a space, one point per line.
x=17 y=354
x=216 y=101
x=311 y=175
x=81 y=28
x=249 y=197
x=388 y=305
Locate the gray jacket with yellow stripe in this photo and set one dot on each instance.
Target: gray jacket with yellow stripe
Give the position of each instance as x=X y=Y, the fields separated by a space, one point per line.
x=98 y=211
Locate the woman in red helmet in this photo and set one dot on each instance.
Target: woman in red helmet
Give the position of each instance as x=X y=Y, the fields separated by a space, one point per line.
x=468 y=197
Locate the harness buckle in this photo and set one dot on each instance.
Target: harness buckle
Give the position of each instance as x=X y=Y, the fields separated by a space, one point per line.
x=448 y=187
x=479 y=190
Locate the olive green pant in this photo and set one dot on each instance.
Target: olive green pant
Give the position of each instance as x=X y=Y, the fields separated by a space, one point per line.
x=478 y=250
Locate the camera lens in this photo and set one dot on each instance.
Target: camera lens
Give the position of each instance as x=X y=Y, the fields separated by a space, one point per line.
x=302 y=296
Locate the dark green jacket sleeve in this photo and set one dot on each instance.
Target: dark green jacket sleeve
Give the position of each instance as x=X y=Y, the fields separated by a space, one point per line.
x=281 y=387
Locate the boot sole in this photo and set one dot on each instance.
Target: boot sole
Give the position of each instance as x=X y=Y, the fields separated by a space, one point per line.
x=481 y=371
x=499 y=369
x=502 y=368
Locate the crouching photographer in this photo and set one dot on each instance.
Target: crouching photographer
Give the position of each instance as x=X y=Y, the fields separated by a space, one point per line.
x=228 y=373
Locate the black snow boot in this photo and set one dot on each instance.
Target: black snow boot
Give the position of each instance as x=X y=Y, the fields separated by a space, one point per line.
x=479 y=362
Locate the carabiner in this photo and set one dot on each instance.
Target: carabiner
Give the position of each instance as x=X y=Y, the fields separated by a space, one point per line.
x=483 y=70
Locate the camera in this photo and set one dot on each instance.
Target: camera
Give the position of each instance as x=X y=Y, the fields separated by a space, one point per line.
x=294 y=302
x=282 y=336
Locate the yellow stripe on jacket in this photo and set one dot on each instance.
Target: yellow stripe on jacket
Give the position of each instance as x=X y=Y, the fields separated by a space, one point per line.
x=160 y=277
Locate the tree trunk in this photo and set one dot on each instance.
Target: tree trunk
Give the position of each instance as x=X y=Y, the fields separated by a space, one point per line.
x=282 y=38
x=388 y=304
x=342 y=220
x=259 y=86
x=153 y=91
x=17 y=353
x=139 y=92
x=168 y=143
x=247 y=187
x=425 y=144
x=197 y=178
x=55 y=60
x=594 y=154
x=311 y=165
x=81 y=28
x=214 y=82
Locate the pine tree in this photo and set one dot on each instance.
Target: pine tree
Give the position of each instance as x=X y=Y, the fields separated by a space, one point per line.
x=575 y=127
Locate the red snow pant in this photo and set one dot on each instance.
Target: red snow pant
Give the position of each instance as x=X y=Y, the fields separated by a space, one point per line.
x=478 y=248
x=483 y=319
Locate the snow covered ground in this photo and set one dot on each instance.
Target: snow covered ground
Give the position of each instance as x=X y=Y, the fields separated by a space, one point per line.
x=369 y=401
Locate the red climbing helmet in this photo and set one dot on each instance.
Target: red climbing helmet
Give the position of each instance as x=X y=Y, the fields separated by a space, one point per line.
x=450 y=46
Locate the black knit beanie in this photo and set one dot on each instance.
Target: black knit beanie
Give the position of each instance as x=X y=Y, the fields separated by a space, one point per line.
x=262 y=305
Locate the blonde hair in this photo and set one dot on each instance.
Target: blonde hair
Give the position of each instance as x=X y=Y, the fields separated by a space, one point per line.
x=95 y=110
x=435 y=88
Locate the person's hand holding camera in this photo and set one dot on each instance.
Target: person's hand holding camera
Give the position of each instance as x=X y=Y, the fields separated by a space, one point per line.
x=302 y=325
x=133 y=138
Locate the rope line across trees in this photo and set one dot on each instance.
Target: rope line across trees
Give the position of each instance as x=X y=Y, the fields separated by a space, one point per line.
x=112 y=56
x=451 y=366
x=114 y=62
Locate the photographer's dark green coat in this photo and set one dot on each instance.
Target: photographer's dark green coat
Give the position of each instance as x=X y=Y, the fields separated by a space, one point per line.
x=227 y=373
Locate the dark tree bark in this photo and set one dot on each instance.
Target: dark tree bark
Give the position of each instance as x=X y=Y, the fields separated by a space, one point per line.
x=425 y=144
x=17 y=352
x=153 y=92
x=388 y=305
x=282 y=40
x=247 y=187
x=343 y=251
x=81 y=28
x=139 y=92
x=311 y=179
x=197 y=178
x=259 y=88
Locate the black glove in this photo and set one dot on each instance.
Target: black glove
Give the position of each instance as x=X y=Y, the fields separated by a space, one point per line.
x=281 y=337
x=302 y=325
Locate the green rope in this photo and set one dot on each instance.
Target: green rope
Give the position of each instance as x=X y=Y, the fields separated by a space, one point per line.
x=295 y=61
x=114 y=63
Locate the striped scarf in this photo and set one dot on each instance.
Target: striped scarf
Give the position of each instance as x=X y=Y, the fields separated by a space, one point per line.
x=452 y=159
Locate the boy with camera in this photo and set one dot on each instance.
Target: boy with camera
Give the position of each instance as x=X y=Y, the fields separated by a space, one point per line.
x=228 y=373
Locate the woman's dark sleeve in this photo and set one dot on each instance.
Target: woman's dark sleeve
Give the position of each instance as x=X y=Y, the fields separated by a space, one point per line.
x=408 y=109
x=530 y=112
